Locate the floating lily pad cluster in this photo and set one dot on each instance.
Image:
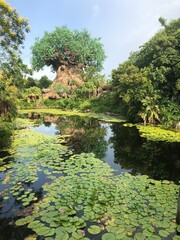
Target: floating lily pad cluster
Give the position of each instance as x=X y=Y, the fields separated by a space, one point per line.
x=91 y=201
x=82 y=197
x=32 y=153
x=156 y=133
x=99 y=116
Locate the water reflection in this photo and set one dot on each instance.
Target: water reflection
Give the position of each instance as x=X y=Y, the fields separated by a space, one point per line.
x=86 y=134
x=5 y=139
x=46 y=127
x=121 y=147
x=159 y=160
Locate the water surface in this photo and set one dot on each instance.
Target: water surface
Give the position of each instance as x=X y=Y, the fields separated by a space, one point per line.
x=121 y=147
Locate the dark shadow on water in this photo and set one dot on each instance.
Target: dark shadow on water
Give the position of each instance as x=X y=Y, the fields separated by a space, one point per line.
x=121 y=147
x=158 y=160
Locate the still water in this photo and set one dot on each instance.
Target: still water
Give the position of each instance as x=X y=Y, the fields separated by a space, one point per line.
x=121 y=147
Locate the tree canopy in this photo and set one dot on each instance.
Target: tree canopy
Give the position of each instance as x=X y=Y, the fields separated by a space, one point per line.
x=147 y=84
x=12 y=35
x=66 y=47
x=44 y=82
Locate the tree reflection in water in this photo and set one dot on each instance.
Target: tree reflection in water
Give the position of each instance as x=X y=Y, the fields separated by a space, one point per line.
x=87 y=134
x=159 y=160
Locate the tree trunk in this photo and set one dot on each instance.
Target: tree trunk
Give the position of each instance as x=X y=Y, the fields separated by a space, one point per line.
x=66 y=75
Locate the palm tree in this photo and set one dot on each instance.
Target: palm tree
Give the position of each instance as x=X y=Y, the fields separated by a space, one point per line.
x=150 y=112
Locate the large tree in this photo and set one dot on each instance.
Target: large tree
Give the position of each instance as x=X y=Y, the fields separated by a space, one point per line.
x=147 y=84
x=162 y=53
x=12 y=35
x=64 y=49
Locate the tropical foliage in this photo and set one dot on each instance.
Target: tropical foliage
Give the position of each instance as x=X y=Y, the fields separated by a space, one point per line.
x=32 y=94
x=8 y=98
x=92 y=85
x=12 y=32
x=147 y=84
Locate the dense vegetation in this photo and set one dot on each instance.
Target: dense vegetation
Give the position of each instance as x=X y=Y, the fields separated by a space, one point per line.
x=145 y=88
x=12 y=35
x=92 y=201
x=148 y=83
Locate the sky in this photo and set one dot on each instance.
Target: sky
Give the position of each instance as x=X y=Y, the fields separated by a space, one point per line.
x=122 y=25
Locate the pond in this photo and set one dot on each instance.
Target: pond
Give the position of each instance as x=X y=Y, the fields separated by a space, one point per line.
x=121 y=147
x=43 y=160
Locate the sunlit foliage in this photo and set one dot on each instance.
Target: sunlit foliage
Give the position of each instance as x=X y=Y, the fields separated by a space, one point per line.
x=66 y=47
x=12 y=35
x=147 y=84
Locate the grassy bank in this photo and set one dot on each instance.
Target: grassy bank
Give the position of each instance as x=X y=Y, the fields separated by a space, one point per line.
x=99 y=116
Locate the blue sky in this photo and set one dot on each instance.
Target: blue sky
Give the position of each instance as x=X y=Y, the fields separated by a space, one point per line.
x=122 y=25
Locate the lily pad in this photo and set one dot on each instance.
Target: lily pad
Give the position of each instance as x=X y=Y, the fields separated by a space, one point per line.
x=139 y=236
x=94 y=229
x=163 y=233
x=61 y=233
x=108 y=236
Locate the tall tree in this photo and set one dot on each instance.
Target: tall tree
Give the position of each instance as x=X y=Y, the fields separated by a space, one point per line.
x=63 y=50
x=12 y=35
x=162 y=53
x=148 y=82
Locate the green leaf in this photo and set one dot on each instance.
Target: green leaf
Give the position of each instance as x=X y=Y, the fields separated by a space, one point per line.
x=163 y=233
x=61 y=233
x=108 y=236
x=139 y=236
x=94 y=229
x=21 y=222
x=34 y=224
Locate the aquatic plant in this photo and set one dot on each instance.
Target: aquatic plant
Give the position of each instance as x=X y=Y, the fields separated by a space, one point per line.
x=81 y=197
x=156 y=133
x=99 y=116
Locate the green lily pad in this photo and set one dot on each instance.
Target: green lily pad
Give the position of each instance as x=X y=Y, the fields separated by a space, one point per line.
x=21 y=222
x=139 y=236
x=34 y=224
x=61 y=233
x=44 y=231
x=176 y=237
x=108 y=236
x=94 y=229
x=163 y=233
x=78 y=235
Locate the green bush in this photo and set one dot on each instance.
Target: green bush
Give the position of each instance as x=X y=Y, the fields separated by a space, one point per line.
x=98 y=105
